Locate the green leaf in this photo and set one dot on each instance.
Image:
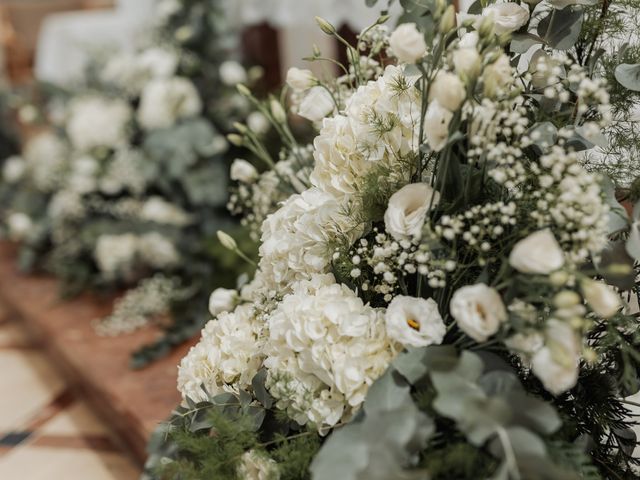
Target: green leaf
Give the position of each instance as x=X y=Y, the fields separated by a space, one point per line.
x=633 y=242
x=259 y=389
x=415 y=363
x=371 y=3
x=628 y=76
x=561 y=29
x=616 y=266
x=618 y=218
x=387 y=393
x=521 y=42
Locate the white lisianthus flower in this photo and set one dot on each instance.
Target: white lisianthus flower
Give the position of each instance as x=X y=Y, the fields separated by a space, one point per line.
x=478 y=311
x=165 y=101
x=407 y=43
x=497 y=76
x=539 y=253
x=469 y=40
x=227 y=357
x=507 y=17
x=19 y=225
x=13 y=169
x=257 y=122
x=300 y=79
x=414 y=322
x=436 y=125
x=467 y=62
x=95 y=121
x=557 y=364
x=222 y=300
x=448 y=90
x=602 y=299
x=407 y=210
x=243 y=171
x=232 y=73
x=316 y=104
x=525 y=344
x=256 y=466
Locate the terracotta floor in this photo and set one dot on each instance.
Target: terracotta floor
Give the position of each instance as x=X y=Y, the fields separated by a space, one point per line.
x=46 y=432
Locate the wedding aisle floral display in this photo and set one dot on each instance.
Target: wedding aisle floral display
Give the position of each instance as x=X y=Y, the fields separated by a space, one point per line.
x=127 y=183
x=446 y=288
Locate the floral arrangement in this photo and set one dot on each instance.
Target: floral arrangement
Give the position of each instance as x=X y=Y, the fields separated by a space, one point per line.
x=444 y=287
x=128 y=181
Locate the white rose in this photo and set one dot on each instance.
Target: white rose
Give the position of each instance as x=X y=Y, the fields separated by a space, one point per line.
x=407 y=210
x=478 y=311
x=257 y=122
x=436 y=125
x=601 y=298
x=256 y=466
x=19 y=224
x=557 y=363
x=243 y=171
x=497 y=76
x=539 y=253
x=300 y=79
x=507 y=17
x=407 y=43
x=414 y=322
x=448 y=90
x=232 y=73
x=222 y=300
x=467 y=62
x=316 y=105
x=13 y=169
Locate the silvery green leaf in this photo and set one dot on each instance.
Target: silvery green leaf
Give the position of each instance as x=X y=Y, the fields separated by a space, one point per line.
x=415 y=363
x=544 y=135
x=597 y=138
x=633 y=242
x=536 y=414
x=370 y=3
x=499 y=382
x=618 y=218
x=521 y=42
x=561 y=29
x=628 y=76
x=389 y=392
x=259 y=390
x=616 y=265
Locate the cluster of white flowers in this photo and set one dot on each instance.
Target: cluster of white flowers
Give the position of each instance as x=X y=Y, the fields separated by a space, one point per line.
x=296 y=239
x=124 y=171
x=165 y=101
x=227 y=357
x=380 y=126
x=96 y=121
x=46 y=157
x=258 y=195
x=325 y=348
x=117 y=255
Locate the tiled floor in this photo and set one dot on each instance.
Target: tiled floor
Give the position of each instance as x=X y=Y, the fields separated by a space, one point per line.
x=46 y=432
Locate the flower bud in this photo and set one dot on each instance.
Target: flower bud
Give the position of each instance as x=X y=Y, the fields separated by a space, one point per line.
x=240 y=127
x=487 y=27
x=227 y=240
x=559 y=278
x=448 y=20
x=566 y=299
x=325 y=26
x=243 y=90
x=235 y=139
x=277 y=111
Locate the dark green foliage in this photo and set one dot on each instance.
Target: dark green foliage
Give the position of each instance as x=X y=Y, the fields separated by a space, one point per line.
x=459 y=460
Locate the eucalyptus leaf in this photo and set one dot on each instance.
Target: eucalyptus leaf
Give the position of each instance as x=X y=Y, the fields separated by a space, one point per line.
x=615 y=265
x=633 y=242
x=618 y=218
x=259 y=390
x=389 y=392
x=628 y=76
x=522 y=42
x=561 y=29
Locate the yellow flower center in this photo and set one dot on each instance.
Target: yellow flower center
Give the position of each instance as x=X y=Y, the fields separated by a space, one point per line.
x=413 y=324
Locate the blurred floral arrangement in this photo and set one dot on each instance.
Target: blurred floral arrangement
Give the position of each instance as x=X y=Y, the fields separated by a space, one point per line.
x=126 y=184
x=444 y=288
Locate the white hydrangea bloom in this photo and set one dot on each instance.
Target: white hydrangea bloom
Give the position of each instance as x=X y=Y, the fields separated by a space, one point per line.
x=96 y=121
x=157 y=251
x=46 y=159
x=165 y=101
x=295 y=238
x=227 y=357
x=380 y=125
x=125 y=171
x=325 y=348
x=115 y=254
x=256 y=466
